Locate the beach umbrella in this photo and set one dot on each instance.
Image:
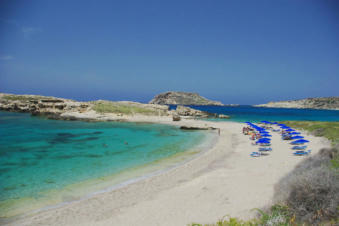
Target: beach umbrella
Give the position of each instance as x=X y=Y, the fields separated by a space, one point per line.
x=294 y=133
x=297 y=137
x=263 y=142
x=285 y=127
x=264 y=139
x=302 y=140
x=266 y=135
x=289 y=130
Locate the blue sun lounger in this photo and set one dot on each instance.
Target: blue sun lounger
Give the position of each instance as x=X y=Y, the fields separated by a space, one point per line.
x=299 y=147
x=255 y=154
x=265 y=149
x=302 y=153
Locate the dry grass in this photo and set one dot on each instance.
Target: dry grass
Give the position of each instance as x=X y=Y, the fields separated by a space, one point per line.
x=122 y=108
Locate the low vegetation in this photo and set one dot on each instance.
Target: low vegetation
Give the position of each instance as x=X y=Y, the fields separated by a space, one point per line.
x=277 y=215
x=121 y=108
x=311 y=190
x=21 y=97
x=330 y=130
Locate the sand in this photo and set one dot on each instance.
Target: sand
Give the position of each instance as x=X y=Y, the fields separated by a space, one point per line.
x=224 y=180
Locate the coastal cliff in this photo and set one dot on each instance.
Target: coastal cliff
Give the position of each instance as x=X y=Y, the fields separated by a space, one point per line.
x=182 y=98
x=100 y=110
x=328 y=103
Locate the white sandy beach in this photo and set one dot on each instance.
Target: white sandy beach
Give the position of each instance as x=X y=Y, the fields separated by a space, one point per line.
x=225 y=180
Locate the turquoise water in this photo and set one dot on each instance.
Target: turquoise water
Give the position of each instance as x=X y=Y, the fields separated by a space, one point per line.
x=254 y=114
x=38 y=155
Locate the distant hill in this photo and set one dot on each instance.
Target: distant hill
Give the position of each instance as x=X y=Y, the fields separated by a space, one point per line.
x=182 y=98
x=329 y=103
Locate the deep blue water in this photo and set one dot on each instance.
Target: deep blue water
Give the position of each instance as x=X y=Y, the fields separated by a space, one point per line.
x=255 y=114
x=38 y=155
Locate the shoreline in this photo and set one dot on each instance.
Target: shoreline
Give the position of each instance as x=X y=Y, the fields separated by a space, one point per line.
x=84 y=190
x=223 y=180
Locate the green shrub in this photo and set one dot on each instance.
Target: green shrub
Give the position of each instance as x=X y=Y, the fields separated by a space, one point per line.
x=330 y=130
x=311 y=189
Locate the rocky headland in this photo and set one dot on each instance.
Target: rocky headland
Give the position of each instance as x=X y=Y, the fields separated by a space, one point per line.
x=328 y=103
x=182 y=98
x=100 y=110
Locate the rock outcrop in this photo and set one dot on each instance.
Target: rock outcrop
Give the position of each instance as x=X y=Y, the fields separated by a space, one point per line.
x=223 y=116
x=329 y=103
x=39 y=105
x=187 y=111
x=101 y=110
x=182 y=98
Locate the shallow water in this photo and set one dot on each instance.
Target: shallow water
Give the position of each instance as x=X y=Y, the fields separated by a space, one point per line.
x=39 y=155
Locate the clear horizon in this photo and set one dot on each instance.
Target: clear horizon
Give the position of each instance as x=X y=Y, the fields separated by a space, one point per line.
x=235 y=52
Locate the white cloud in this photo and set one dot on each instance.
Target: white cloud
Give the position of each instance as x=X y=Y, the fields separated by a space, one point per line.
x=6 y=57
x=30 y=31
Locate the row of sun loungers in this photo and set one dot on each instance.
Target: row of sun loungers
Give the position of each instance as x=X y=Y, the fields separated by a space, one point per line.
x=262 y=138
x=298 y=141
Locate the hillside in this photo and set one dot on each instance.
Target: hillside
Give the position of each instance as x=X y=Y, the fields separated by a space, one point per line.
x=329 y=103
x=182 y=98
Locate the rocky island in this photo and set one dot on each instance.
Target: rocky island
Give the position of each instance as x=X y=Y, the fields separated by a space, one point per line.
x=327 y=103
x=100 y=110
x=182 y=98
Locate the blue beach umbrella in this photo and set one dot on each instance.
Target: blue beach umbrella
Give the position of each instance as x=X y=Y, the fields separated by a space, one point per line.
x=294 y=133
x=266 y=135
x=297 y=137
x=263 y=142
x=301 y=141
x=285 y=127
x=264 y=139
x=289 y=130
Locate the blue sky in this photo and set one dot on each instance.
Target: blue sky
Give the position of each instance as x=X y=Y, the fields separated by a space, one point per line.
x=245 y=52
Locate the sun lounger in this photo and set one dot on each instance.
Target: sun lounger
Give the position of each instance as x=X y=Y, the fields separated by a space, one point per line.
x=299 y=147
x=265 y=144
x=302 y=153
x=265 y=149
x=255 y=154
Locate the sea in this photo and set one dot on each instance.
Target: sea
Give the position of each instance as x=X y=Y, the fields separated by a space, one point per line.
x=47 y=162
x=245 y=113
